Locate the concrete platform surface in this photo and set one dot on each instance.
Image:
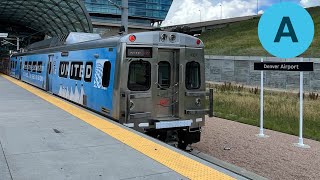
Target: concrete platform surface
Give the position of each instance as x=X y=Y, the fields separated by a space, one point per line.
x=39 y=141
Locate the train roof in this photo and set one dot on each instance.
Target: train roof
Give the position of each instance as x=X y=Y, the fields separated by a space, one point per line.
x=81 y=41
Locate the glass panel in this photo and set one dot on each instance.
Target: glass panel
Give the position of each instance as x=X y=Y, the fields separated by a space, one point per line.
x=30 y=66
x=139 y=76
x=148 y=9
x=76 y=70
x=63 y=70
x=88 y=72
x=34 y=66
x=164 y=74
x=193 y=75
x=106 y=74
x=39 y=67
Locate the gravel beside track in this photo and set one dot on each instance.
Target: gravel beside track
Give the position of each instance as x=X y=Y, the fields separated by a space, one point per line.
x=274 y=158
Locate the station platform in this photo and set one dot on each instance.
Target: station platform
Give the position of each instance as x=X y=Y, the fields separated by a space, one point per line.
x=44 y=137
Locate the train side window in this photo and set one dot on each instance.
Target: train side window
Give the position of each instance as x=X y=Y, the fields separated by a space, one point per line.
x=88 y=72
x=139 y=76
x=49 y=67
x=164 y=76
x=39 y=67
x=25 y=65
x=76 y=70
x=193 y=78
x=106 y=74
x=34 y=66
x=63 y=69
x=29 y=66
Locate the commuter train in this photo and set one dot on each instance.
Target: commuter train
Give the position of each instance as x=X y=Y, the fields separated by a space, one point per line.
x=153 y=82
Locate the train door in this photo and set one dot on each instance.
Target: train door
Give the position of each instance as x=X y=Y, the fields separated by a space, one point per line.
x=20 y=68
x=49 y=75
x=166 y=89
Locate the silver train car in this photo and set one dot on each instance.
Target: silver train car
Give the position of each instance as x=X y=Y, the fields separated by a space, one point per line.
x=153 y=82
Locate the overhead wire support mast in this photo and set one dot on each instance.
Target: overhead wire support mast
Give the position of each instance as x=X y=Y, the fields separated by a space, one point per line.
x=124 y=13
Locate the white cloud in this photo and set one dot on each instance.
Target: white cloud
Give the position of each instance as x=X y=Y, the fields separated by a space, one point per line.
x=309 y=3
x=188 y=11
x=261 y=12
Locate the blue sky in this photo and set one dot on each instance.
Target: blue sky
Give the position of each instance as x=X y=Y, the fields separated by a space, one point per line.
x=188 y=11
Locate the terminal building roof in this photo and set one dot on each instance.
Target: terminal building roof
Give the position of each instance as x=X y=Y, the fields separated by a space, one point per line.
x=50 y=17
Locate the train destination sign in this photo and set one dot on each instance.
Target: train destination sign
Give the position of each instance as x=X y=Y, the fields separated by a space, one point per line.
x=139 y=52
x=284 y=66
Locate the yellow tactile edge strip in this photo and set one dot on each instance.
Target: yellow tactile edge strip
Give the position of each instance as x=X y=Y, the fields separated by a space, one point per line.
x=177 y=162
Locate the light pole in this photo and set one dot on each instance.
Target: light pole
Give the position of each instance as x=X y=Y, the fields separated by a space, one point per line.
x=200 y=15
x=220 y=9
x=257 y=7
x=124 y=13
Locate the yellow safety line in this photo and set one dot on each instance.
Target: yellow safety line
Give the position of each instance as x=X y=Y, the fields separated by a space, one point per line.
x=179 y=163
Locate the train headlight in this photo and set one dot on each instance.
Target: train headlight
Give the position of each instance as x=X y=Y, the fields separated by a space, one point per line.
x=172 y=37
x=163 y=37
x=198 y=102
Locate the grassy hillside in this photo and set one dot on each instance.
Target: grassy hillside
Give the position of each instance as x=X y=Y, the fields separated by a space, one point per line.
x=281 y=109
x=241 y=39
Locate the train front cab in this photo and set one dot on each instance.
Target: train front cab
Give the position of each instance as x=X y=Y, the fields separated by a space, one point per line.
x=163 y=88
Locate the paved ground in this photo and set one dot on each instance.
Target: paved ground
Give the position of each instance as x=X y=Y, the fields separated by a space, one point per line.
x=274 y=157
x=38 y=140
x=31 y=149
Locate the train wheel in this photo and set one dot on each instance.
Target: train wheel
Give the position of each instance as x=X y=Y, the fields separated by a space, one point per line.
x=182 y=146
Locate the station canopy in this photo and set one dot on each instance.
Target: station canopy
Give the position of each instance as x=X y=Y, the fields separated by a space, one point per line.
x=49 y=17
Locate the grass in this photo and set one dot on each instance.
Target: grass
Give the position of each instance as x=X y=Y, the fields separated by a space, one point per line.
x=241 y=39
x=281 y=109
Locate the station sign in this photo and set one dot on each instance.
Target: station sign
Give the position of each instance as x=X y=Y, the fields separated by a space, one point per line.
x=284 y=66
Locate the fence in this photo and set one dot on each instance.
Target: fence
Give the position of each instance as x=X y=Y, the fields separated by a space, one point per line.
x=239 y=70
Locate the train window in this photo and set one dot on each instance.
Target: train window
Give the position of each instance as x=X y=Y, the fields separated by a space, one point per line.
x=25 y=66
x=34 y=66
x=164 y=71
x=39 y=67
x=29 y=66
x=193 y=77
x=49 y=67
x=106 y=74
x=139 y=76
x=76 y=70
x=63 y=69
x=88 y=72
x=15 y=64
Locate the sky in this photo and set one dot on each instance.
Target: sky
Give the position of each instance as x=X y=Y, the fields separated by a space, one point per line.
x=189 y=11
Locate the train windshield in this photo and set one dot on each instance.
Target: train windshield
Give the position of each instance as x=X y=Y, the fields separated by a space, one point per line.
x=193 y=75
x=139 y=76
